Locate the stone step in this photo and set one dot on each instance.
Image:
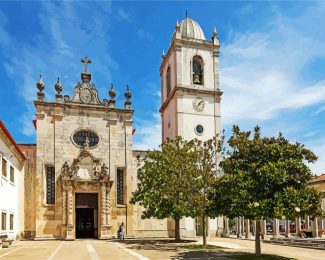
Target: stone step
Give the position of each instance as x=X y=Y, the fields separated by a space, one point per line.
x=314 y=244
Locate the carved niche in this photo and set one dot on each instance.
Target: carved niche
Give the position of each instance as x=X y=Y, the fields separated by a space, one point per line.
x=85 y=168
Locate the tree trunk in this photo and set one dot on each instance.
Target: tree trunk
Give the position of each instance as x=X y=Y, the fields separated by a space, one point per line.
x=258 y=237
x=204 y=232
x=177 y=231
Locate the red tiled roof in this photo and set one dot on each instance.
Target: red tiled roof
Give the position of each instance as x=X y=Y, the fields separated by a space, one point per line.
x=5 y=130
x=318 y=178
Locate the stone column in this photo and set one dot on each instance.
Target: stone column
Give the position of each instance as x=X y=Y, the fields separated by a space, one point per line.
x=307 y=222
x=287 y=228
x=263 y=228
x=64 y=212
x=321 y=226
x=104 y=228
x=64 y=207
x=254 y=227
x=298 y=226
x=225 y=232
x=247 y=230
x=238 y=227
x=315 y=227
x=243 y=225
x=108 y=206
x=276 y=232
x=70 y=235
x=103 y=207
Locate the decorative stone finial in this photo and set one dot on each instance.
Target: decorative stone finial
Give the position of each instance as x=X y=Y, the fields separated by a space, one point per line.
x=112 y=92
x=58 y=86
x=214 y=34
x=163 y=55
x=127 y=93
x=40 y=84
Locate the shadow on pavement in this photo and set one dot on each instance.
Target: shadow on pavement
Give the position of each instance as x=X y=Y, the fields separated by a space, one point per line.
x=154 y=244
x=222 y=255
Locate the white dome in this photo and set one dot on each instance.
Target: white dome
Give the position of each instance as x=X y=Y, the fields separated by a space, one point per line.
x=191 y=29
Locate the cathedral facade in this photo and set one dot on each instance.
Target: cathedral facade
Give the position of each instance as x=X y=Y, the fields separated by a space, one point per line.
x=83 y=169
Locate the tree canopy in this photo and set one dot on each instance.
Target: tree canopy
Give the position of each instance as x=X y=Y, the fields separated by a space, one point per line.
x=264 y=177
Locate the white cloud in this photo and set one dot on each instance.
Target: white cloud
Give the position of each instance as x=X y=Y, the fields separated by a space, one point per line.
x=318 y=147
x=261 y=72
x=143 y=35
x=149 y=134
x=122 y=14
x=64 y=37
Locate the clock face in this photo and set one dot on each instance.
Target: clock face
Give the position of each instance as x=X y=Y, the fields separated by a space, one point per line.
x=85 y=95
x=198 y=104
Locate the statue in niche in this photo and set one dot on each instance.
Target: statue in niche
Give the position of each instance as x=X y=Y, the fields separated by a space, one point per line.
x=197 y=71
x=86 y=143
x=66 y=170
x=96 y=170
x=104 y=175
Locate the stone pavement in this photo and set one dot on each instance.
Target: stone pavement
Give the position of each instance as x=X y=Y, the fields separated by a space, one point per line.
x=145 y=249
x=68 y=250
x=286 y=251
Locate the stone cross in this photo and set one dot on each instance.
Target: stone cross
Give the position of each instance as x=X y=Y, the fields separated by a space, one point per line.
x=86 y=61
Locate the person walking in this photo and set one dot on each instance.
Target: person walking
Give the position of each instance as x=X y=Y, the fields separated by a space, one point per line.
x=122 y=231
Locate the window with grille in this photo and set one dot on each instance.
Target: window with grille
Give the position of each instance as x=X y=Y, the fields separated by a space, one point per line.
x=120 y=186
x=4 y=167
x=50 y=185
x=82 y=138
x=12 y=174
x=11 y=222
x=3 y=221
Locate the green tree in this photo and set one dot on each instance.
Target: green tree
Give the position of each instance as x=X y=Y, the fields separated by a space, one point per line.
x=264 y=177
x=205 y=170
x=163 y=188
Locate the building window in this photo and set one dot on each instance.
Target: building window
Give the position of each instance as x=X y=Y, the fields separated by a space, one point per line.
x=12 y=174
x=120 y=186
x=199 y=129
x=3 y=221
x=11 y=222
x=50 y=185
x=197 y=70
x=168 y=83
x=4 y=168
x=85 y=138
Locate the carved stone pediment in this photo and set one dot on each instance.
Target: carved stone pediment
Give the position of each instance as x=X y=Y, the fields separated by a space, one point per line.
x=85 y=168
x=86 y=93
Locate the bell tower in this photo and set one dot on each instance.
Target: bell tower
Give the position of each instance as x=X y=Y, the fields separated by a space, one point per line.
x=189 y=74
x=190 y=108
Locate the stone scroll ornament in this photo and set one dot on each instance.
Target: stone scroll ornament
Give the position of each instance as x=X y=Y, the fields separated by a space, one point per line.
x=100 y=171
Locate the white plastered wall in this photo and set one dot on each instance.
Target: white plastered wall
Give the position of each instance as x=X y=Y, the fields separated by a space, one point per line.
x=10 y=193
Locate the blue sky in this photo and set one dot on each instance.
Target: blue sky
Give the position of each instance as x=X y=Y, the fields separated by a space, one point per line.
x=272 y=61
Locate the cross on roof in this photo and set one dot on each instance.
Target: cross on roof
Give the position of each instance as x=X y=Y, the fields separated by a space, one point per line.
x=86 y=61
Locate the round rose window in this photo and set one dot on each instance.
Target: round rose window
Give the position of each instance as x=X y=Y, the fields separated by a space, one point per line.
x=85 y=138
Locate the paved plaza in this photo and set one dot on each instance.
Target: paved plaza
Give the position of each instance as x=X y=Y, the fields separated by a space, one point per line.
x=144 y=250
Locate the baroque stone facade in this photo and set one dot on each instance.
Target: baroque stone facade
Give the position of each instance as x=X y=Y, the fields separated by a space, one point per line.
x=85 y=142
x=83 y=169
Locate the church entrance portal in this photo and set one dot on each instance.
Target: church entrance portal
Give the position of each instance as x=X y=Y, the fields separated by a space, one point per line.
x=86 y=215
